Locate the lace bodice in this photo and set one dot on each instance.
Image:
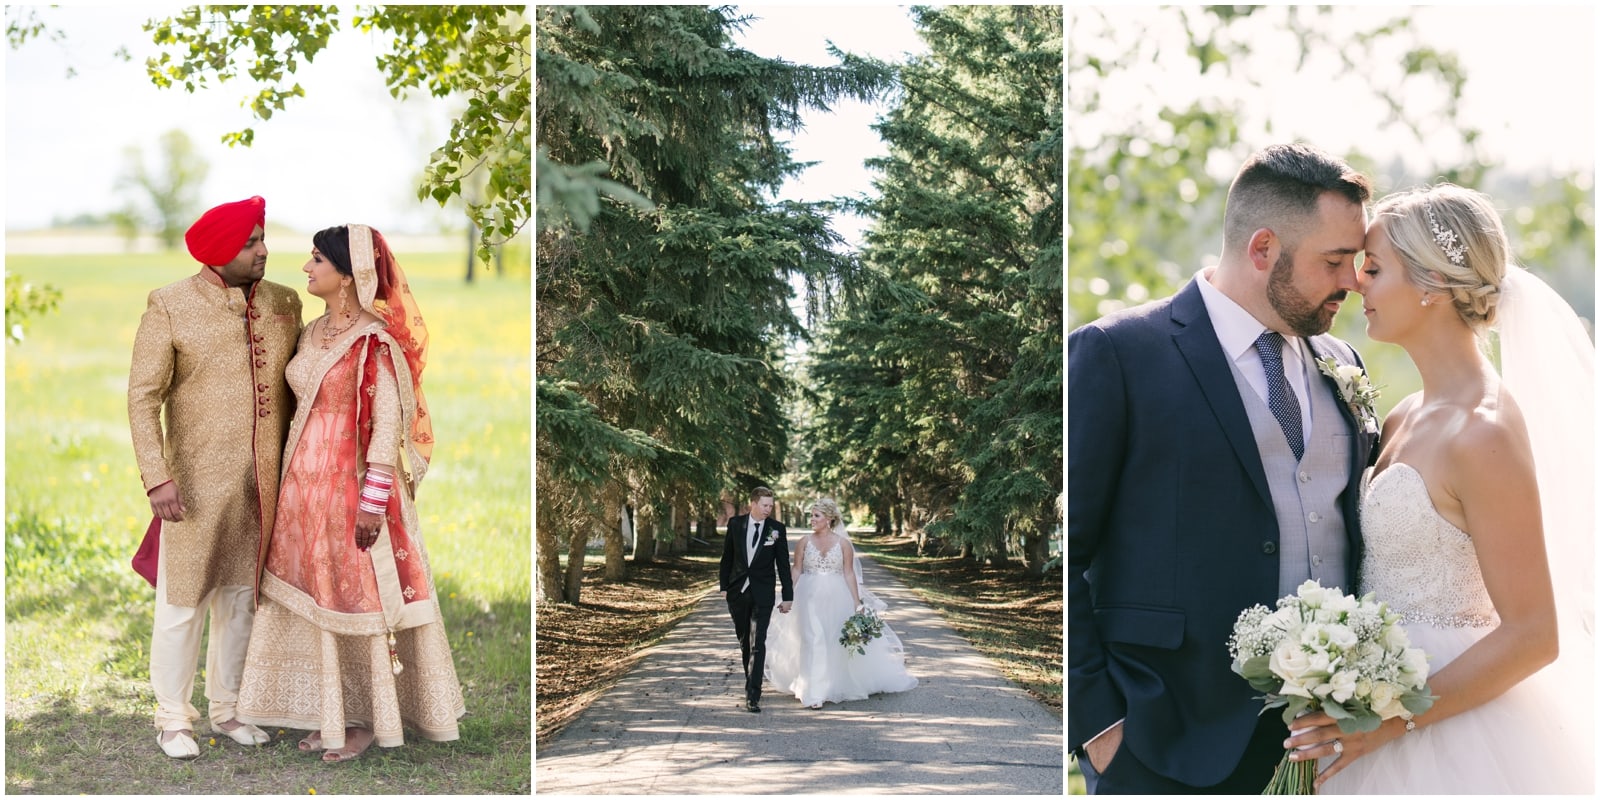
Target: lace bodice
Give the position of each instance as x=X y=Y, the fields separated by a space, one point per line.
x=829 y=563
x=1416 y=561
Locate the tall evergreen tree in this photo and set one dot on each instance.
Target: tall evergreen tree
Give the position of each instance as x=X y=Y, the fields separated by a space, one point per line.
x=943 y=384
x=663 y=306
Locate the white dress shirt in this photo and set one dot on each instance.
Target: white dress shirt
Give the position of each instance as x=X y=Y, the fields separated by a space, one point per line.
x=1237 y=332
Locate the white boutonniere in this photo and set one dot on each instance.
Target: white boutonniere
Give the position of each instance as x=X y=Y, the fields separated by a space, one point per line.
x=1355 y=389
x=772 y=538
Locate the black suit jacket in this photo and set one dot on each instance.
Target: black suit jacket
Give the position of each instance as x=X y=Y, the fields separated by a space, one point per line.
x=771 y=557
x=1170 y=534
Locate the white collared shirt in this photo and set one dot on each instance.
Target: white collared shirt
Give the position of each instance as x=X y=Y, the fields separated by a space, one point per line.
x=1237 y=332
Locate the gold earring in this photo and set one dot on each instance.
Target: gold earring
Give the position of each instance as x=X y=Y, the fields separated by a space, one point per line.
x=344 y=303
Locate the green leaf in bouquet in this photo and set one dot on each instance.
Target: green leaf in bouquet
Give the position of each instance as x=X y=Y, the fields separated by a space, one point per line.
x=1296 y=706
x=1417 y=702
x=1258 y=671
x=1360 y=720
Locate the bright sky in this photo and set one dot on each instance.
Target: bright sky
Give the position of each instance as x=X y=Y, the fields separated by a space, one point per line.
x=1530 y=83
x=346 y=152
x=841 y=139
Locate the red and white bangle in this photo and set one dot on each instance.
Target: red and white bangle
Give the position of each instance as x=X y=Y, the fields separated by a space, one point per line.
x=375 y=492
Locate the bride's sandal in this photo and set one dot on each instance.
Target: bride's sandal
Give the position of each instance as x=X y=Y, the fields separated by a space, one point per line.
x=311 y=743
x=356 y=742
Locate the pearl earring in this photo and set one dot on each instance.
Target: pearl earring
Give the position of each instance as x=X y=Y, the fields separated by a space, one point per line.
x=1424 y=302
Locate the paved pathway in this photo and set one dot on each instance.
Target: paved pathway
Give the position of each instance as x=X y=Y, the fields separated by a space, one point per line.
x=674 y=724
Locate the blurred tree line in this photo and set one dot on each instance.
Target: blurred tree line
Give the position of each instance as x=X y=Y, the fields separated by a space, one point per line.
x=937 y=398
x=1153 y=148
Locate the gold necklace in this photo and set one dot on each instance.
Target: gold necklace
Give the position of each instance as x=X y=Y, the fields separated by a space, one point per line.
x=329 y=333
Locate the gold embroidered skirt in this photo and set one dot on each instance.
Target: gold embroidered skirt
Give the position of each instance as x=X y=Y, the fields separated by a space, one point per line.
x=297 y=675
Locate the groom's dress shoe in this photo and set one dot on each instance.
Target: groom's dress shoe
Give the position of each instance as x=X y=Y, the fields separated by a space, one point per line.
x=182 y=745
x=246 y=734
x=752 y=706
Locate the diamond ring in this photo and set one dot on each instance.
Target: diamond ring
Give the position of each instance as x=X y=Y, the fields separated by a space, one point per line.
x=1338 y=746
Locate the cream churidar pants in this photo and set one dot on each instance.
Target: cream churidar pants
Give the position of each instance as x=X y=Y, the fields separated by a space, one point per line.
x=175 y=647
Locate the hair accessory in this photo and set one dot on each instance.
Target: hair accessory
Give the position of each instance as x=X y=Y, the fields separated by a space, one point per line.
x=1451 y=244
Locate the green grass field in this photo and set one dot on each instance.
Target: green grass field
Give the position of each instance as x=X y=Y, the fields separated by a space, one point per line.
x=78 y=700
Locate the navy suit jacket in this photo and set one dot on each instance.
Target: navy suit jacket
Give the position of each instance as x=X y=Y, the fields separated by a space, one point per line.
x=1170 y=534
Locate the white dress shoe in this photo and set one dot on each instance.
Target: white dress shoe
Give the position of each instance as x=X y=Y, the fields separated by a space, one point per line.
x=246 y=734
x=182 y=745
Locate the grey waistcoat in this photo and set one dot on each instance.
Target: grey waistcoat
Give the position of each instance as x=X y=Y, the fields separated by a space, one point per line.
x=1312 y=541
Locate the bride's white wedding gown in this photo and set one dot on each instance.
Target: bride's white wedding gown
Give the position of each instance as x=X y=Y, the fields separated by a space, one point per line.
x=1526 y=741
x=804 y=657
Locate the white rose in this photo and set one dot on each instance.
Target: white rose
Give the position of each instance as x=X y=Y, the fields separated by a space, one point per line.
x=1389 y=710
x=1289 y=661
x=1343 y=685
x=1383 y=694
x=1341 y=603
x=1349 y=374
x=1395 y=638
x=1416 y=663
x=1319 y=662
x=1363 y=689
x=1293 y=687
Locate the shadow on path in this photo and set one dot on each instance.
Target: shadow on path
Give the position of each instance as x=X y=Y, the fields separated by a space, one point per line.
x=675 y=724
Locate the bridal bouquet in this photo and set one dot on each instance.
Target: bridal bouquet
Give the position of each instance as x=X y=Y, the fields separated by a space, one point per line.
x=1322 y=650
x=862 y=627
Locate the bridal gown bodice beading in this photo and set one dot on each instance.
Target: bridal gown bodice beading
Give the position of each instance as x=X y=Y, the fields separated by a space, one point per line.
x=1425 y=568
x=829 y=563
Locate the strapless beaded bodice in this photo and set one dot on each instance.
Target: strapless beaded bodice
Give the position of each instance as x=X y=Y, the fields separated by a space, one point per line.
x=829 y=563
x=1416 y=561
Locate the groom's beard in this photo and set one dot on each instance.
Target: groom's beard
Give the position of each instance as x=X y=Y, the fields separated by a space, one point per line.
x=1304 y=318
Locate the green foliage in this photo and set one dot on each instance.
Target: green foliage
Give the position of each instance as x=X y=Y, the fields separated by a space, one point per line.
x=941 y=381
x=23 y=301
x=1144 y=194
x=479 y=53
x=664 y=288
x=170 y=192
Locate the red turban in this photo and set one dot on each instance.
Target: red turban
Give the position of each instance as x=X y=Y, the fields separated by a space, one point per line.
x=218 y=236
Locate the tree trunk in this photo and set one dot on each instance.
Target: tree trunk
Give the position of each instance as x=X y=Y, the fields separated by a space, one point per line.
x=999 y=555
x=576 y=540
x=707 y=530
x=882 y=518
x=1035 y=552
x=472 y=249
x=680 y=532
x=617 y=548
x=644 y=536
x=1036 y=545
x=549 y=541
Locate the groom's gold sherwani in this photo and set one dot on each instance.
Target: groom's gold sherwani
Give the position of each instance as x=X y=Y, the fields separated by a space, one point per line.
x=212 y=357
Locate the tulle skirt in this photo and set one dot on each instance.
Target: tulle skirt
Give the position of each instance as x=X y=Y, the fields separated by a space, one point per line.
x=1537 y=738
x=805 y=659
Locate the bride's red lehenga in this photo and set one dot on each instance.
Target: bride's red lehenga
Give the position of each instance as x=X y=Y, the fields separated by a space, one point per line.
x=346 y=638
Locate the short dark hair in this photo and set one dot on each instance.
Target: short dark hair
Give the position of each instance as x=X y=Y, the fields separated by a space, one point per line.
x=1278 y=188
x=334 y=244
x=760 y=492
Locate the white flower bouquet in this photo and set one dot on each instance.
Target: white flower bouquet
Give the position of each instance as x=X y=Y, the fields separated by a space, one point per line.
x=1322 y=650
x=861 y=628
